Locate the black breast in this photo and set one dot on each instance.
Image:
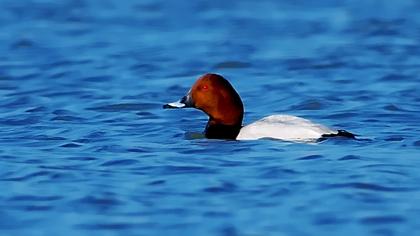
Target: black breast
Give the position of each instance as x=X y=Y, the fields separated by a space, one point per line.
x=218 y=131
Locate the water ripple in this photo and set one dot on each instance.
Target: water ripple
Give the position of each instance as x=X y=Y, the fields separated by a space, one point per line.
x=383 y=220
x=368 y=186
x=123 y=107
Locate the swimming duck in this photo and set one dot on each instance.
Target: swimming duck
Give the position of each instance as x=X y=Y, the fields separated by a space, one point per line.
x=216 y=97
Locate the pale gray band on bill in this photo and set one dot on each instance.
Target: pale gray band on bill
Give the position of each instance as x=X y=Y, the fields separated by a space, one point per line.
x=176 y=104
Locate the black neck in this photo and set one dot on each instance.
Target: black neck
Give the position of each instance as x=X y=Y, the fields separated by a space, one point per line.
x=219 y=131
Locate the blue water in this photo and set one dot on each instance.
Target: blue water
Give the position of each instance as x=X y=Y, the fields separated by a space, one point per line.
x=86 y=148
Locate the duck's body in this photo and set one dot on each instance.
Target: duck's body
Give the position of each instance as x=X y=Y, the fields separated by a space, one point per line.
x=284 y=127
x=215 y=96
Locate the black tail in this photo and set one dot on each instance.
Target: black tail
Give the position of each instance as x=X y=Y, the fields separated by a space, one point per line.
x=340 y=133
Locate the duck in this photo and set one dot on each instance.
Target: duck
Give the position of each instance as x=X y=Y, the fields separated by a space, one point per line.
x=216 y=97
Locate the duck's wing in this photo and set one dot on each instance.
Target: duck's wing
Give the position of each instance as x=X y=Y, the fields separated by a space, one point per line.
x=284 y=127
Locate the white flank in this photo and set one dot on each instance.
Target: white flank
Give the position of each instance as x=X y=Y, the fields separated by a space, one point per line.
x=284 y=127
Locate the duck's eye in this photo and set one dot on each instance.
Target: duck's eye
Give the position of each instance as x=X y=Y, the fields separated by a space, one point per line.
x=205 y=87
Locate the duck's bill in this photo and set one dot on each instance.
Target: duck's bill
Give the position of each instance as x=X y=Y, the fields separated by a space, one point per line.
x=174 y=105
x=185 y=101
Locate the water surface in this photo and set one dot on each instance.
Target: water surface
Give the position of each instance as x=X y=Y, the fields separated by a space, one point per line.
x=85 y=147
